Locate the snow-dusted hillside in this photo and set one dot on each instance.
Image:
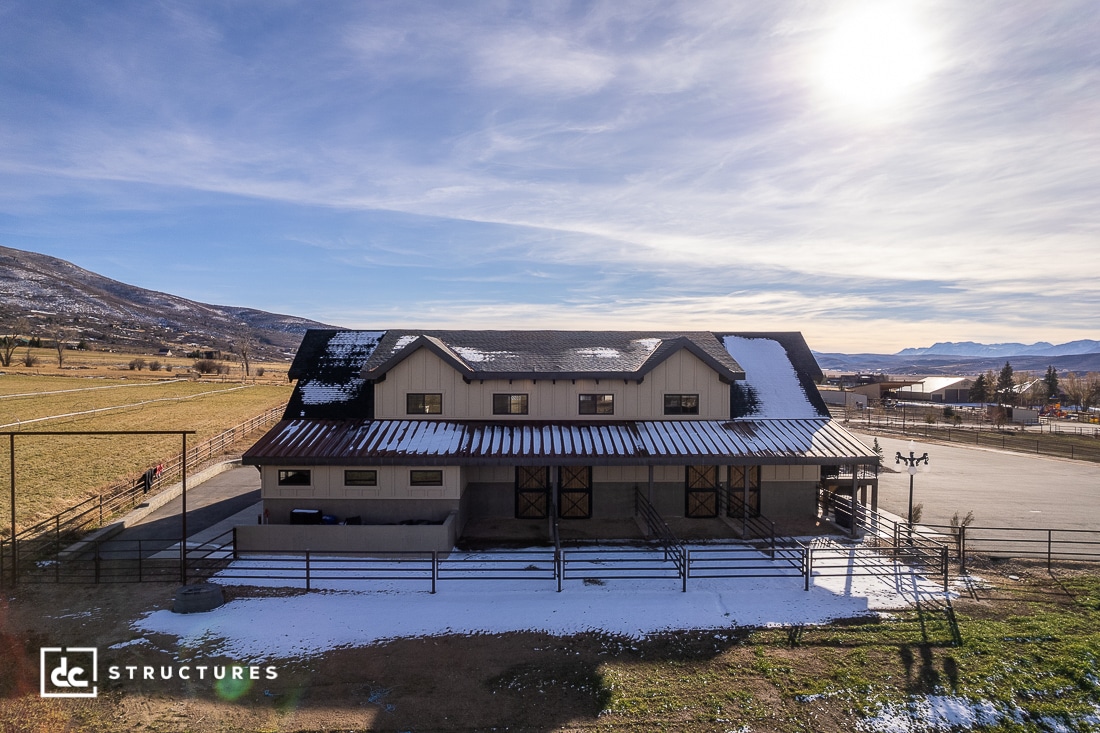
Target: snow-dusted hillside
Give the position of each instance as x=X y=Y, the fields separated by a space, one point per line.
x=50 y=293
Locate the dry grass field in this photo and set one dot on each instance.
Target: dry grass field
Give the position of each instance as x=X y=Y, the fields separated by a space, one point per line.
x=53 y=472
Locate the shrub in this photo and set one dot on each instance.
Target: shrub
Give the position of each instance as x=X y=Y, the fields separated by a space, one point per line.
x=29 y=359
x=206 y=366
x=154 y=366
x=137 y=364
x=259 y=371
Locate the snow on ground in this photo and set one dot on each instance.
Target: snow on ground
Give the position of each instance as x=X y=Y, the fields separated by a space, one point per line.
x=347 y=613
x=946 y=713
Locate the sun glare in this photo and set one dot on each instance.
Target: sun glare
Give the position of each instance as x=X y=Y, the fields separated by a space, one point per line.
x=874 y=57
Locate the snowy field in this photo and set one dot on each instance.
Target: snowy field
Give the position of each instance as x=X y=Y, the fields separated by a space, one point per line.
x=342 y=613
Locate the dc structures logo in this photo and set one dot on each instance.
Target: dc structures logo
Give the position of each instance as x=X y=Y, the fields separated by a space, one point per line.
x=69 y=671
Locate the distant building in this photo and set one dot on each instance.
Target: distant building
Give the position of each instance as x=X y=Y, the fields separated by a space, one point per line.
x=947 y=390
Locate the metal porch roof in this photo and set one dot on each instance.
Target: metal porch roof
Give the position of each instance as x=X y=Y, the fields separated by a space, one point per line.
x=675 y=442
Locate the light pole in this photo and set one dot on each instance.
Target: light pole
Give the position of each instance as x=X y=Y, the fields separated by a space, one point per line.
x=911 y=461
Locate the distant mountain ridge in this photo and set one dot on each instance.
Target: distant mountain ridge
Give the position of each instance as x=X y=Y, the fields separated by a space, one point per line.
x=51 y=293
x=969 y=358
x=970 y=348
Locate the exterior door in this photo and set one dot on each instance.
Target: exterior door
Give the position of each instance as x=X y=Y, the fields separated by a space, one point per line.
x=532 y=492
x=744 y=492
x=575 y=492
x=701 y=494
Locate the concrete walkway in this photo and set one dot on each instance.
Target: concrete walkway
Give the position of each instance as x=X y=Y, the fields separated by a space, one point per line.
x=234 y=493
x=1003 y=489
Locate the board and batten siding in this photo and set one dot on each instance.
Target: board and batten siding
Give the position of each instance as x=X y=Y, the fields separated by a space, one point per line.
x=550 y=399
x=327 y=482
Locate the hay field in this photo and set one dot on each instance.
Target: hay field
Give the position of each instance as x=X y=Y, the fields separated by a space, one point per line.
x=53 y=472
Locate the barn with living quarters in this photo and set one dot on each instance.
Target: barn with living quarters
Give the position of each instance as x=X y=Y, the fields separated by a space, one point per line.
x=407 y=439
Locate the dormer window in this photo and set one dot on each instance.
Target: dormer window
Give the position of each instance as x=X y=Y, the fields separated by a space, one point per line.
x=509 y=404
x=597 y=404
x=681 y=404
x=423 y=403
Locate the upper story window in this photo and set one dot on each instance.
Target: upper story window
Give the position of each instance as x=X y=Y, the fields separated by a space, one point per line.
x=597 y=404
x=681 y=404
x=294 y=477
x=509 y=404
x=423 y=403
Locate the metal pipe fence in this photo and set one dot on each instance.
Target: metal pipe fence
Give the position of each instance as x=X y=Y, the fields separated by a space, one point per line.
x=1049 y=544
x=69 y=524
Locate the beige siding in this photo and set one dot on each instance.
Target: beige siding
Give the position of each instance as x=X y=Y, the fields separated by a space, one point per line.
x=549 y=399
x=393 y=483
x=790 y=473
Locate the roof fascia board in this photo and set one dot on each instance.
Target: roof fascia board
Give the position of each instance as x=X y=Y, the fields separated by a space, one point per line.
x=431 y=343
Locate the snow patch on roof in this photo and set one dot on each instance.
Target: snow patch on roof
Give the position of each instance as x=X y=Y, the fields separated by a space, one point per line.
x=599 y=352
x=772 y=378
x=473 y=355
x=403 y=342
x=347 y=343
x=648 y=344
x=324 y=393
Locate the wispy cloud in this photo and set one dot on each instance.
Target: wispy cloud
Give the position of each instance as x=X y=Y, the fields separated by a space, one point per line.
x=650 y=161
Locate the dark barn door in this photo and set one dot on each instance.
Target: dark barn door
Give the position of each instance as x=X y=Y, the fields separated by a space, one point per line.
x=744 y=497
x=532 y=492
x=701 y=495
x=575 y=492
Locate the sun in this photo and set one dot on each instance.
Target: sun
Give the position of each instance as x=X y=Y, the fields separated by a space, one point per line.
x=875 y=56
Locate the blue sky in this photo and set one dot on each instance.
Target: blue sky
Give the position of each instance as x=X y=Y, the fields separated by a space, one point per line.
x=875 y=175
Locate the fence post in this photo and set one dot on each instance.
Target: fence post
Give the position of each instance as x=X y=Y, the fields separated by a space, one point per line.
x=807 y=564
x=1050 y=540
x=558 y=566
x=685 y=556
x=307 y=570
x=962 y=549
x=943 y=559
x=235 y=555
x=435 y=569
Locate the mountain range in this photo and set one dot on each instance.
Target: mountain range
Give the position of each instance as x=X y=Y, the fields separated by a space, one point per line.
x=53 y=295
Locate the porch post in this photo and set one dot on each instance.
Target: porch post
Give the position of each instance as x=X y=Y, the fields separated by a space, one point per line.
x=855 y=500
x=746 y=472
x=553 y=498
x=650 y=488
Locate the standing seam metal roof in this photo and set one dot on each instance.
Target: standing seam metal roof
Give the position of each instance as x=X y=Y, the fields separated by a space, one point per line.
x=439 y=442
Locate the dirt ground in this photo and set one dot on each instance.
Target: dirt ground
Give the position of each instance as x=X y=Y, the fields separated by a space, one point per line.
x=516 y=682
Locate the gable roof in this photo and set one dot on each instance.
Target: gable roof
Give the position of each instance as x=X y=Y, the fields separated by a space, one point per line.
x=327 y=367
x=551 y=354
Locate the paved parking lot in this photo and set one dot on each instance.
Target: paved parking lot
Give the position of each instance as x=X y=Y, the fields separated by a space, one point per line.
x=1002 y=489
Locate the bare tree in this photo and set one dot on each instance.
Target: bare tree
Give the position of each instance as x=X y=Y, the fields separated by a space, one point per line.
x=245 y=346
x=59 y=335
x=9 y=342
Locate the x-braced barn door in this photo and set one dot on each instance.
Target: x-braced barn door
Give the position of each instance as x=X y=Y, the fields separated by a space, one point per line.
x=532 y=492
x=744 y=492
x=702 y=492
x=575 y=492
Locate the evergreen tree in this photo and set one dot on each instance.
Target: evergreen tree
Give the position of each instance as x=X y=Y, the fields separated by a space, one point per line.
x=1050 y=381
x=978 y=389
x=1005 y=385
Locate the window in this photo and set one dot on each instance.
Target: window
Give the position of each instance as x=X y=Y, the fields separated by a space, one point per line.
x=509 y=404
x=294 y=477
x=421 y=403
x=681 y=404
x=597 y=404
x=425 y=478
x=361 y=477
